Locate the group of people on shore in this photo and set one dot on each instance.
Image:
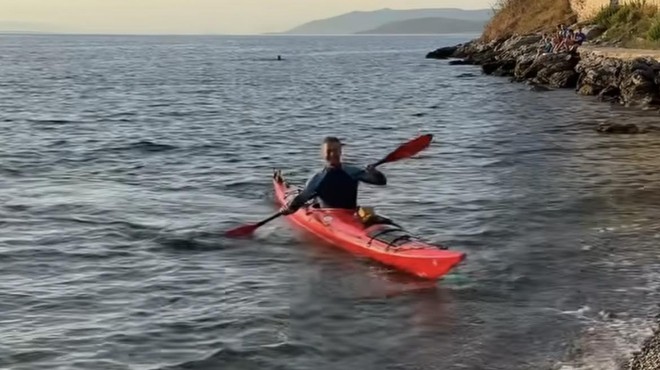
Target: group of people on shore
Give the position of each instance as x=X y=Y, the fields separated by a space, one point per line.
x=564 y=40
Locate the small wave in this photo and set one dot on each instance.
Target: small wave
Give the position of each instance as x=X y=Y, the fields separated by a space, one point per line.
x=158 y=105
x=241 y=184
x=498 y=163
x=58 y=143
x=143 y=146
x=177 y=114
x=149 y=146
x=51 y=121
x=16 y=207
x=221 y=358
x=103 y=222
x=29 y=254
x=33 y=356
x=194 y=241
x=122 y=114
x=282 y=352
x=185 y=244
x=10 y=171
x=480 y=293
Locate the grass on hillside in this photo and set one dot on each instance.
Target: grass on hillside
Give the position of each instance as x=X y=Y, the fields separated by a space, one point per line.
x=526 y=16
x=634 y=25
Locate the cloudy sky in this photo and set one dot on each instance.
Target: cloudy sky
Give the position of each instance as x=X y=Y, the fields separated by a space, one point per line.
x=192 y=16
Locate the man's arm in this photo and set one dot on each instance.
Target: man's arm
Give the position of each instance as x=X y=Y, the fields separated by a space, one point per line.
x=305 y=195
x=367 y=175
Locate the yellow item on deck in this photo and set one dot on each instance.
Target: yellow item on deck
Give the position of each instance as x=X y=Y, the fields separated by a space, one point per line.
x=366 y=214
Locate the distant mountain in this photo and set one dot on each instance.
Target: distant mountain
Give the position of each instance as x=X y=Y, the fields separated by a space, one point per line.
x=428 y=26
x=356 y=22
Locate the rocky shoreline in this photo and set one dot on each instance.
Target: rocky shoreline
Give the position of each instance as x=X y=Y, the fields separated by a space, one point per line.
x=632 y=83
x=648 y=358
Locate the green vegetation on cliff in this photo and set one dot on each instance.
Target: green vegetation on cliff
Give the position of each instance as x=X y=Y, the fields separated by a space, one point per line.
x=635 y=24
x=632 y=25
x=527 y=16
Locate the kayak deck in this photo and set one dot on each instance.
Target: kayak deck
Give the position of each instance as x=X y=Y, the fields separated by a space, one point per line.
x=385 y=242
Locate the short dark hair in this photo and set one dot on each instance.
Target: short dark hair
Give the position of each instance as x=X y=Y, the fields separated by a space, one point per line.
x=332 y=140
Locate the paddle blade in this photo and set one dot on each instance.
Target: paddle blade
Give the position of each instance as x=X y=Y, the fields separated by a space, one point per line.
x=241 y=231
x=409 y=149
x=247 y=230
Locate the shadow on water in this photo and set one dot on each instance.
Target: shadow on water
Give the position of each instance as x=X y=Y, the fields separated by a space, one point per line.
x=192 y=242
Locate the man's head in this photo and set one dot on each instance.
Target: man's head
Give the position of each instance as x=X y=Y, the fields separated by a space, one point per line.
x=331 y=150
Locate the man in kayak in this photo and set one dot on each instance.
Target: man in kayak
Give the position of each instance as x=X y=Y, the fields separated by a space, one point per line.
x=336 y=185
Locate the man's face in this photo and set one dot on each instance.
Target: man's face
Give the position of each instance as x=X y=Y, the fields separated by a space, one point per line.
x=331 y=153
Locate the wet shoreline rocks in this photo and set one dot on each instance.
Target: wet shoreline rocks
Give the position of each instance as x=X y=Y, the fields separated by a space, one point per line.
x=648 y=358
x=632 y=82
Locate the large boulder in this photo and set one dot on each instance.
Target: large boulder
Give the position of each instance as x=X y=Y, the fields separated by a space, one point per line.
x=518 y=46
x=639 y=90
x=611 y=94
x=639 y=87
x=597 y=73
x=460 y=62
x=556 y=70
x=442 y=53
x=593 y=31
x=620 y=128
x=517 y=42
x=500 y=68
x=522 y=64
x=560 y=79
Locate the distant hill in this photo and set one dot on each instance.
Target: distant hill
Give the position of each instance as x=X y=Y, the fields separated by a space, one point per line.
x=428 y=26
x=357 y=22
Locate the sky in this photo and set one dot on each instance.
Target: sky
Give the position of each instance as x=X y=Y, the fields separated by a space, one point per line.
x=192 y=16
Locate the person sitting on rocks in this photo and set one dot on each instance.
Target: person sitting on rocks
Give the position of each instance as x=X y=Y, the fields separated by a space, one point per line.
x=567 y=44
x=580 y=37
x=575 y=41
x=557 y=41
x=573 y=47
x=545 y=45
x=562 y=31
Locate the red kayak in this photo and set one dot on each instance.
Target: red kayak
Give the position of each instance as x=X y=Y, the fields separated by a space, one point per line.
x=385 y=242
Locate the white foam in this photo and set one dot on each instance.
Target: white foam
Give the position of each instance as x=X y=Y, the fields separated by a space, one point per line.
x=607 y=343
